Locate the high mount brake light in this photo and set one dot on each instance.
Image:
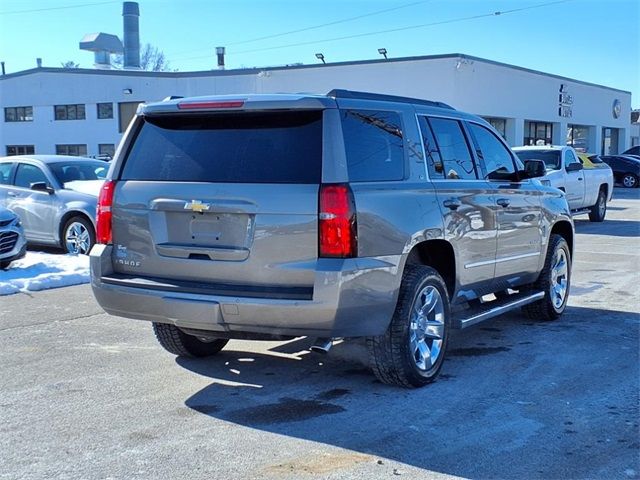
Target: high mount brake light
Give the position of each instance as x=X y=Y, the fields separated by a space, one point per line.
x=206 y=105
x=337 y=226
x=103 y=213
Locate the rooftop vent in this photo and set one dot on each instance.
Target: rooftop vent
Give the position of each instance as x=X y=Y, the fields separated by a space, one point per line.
x=102 y=45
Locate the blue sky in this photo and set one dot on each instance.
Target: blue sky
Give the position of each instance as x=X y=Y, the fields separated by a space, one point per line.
x=591 y=40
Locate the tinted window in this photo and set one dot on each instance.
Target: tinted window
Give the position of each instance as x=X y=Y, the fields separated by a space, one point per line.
x=78 y=171
x=29 y=174
x=5 y=173
x=434 y=162
x=569 y=158
x=551 y=158
x=456 y=159
x=274 y=147
x=373 y=145
x=495 y=157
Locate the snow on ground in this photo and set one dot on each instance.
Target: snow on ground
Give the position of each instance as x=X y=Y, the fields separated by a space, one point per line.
x=41 y=271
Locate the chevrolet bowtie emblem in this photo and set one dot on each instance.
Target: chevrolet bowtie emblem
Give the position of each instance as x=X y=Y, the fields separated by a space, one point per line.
x=197 y=206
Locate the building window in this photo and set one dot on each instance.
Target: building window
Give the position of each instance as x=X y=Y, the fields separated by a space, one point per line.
x=20 y=150
x=106 y=150
x=538 y=133
x=105 y=110
x=73 y=150
x=500 y=124
x=18 y=114
x=126 y=111
x=69 y=112
x=578 y=137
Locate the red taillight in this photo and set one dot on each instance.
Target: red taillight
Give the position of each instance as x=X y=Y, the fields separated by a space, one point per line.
x=103 y=212
x=196 y=105
x=337 y=226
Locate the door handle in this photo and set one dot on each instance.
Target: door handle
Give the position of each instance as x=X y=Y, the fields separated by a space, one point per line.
x=452 y=203
x=503 y=202
x=580 y=178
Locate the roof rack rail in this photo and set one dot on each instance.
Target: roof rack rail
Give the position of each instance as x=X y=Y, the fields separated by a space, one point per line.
x=341 y=93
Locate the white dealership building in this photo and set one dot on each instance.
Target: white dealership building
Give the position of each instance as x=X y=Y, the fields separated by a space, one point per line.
x=84 y=111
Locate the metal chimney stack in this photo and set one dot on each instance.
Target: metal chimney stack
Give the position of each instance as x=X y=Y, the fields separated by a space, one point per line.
x=220 y=54
x=131 y=16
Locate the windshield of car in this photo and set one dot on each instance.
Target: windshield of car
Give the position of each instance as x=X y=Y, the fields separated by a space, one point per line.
x=551 y=158
x=66 y=172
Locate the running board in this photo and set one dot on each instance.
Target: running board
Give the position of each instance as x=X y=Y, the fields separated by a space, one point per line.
x=580 y=211
x=497 y=307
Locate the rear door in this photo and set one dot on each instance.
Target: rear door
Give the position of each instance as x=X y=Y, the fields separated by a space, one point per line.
x=466 y=204
x=225 y=200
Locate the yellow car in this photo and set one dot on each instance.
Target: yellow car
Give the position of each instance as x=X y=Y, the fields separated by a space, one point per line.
x=589 y=160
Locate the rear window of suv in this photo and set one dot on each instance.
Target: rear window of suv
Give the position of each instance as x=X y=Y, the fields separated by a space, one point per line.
x=373 y=145
x=265 y=147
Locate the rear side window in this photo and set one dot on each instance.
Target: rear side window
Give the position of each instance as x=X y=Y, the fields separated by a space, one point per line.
x=5 y=173
x=457 y=162
x=265 y=147
x=373 y=145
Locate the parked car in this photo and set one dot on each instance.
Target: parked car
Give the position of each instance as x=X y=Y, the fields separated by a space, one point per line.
x=632 y=151
x=346 y=215
x=587 y=190
x=590 y=160
x=13 y=245
x=626 y=169
x=55 y=197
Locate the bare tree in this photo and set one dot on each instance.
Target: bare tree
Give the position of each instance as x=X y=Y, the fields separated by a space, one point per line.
x=70 y=64
x=151 y=58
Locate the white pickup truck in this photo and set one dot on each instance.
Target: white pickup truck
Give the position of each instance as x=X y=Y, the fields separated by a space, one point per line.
x=587 y=189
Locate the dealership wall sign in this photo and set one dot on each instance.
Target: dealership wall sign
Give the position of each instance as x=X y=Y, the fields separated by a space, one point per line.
x=565 y=101
x=617 y=108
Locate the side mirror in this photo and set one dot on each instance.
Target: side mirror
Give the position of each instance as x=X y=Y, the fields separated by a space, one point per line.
x=534 y=169
x=41 y=187
x=574 y=167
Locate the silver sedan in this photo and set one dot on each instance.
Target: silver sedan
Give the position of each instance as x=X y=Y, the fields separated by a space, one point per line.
x=55 y=196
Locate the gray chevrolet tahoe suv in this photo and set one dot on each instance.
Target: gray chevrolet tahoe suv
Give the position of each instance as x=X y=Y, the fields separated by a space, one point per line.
x=331 y=216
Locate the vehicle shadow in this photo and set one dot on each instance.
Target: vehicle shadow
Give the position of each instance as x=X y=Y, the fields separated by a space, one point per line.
x=615 y=228
x=516 y=399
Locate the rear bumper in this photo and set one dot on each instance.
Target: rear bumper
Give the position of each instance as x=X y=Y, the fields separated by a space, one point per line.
x=351 y=298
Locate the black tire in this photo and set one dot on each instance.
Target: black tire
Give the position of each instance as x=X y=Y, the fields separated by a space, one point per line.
x=84 y=247
x=392 y=360
x=629 y=180
x=546 y=308
x=599 y=210
x=175 y=341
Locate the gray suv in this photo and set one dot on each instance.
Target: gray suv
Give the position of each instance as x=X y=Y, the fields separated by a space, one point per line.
x=349 y=214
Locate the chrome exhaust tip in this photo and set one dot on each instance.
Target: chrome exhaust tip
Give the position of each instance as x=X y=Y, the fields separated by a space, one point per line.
x=322 y=345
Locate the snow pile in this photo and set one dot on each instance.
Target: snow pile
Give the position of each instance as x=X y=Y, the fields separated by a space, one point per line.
x=41 y=271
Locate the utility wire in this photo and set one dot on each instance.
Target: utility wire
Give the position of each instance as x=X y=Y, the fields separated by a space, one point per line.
x=315 y=27
x=46 y=9
x=411 y=27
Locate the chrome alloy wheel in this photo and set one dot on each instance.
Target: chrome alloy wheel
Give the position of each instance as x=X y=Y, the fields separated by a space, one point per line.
x=629 y=181
x=426 y=331
x=77 y=239
x=602 y=205
x=559 y=278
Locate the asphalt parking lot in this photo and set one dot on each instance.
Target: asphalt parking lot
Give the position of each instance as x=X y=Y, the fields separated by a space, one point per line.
x=85 y=395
